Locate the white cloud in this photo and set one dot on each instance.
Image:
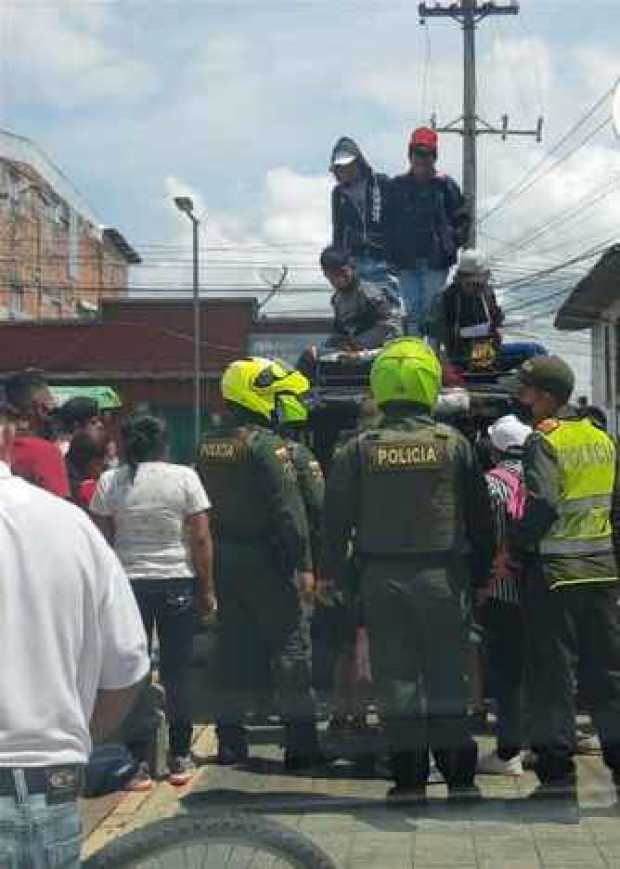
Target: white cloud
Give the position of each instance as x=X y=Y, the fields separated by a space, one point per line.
x=60 y=57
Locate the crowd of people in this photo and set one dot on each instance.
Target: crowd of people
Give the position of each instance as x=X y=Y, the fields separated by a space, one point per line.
x=408 y=528
x=418 y=535
x=395 y=243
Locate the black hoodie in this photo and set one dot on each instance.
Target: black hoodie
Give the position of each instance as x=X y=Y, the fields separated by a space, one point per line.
x=360 y=231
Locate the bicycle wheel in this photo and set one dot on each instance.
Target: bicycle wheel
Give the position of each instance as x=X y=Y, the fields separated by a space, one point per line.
x=201 y=842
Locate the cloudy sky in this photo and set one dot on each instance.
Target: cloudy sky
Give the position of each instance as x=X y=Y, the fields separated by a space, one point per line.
x=238 y=103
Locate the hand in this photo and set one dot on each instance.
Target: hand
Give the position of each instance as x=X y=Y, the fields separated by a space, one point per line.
x=305 y=585
x=206 y=603
x=325 y=591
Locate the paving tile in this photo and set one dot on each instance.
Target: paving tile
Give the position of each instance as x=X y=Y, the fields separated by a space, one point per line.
x=571 y=855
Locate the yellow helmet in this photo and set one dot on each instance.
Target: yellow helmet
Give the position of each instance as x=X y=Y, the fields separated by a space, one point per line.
x=291 y=410
x=254 y=383
x=407 y=369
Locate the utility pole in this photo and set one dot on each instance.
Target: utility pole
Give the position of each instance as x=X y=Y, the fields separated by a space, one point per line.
x=469 y=13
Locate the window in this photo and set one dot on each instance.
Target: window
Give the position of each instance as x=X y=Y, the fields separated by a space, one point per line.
x=16 y=305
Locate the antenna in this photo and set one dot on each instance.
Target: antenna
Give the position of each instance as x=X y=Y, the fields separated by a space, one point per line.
x=275 y=278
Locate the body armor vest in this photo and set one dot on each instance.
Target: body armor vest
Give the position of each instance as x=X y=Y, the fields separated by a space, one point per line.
x=410 y=501
x=226 y=470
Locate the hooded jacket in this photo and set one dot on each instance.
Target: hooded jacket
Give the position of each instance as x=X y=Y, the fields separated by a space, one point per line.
x=360 y=231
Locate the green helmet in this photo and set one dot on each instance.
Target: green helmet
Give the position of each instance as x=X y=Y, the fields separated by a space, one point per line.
x=255 y=383
x=407 y=369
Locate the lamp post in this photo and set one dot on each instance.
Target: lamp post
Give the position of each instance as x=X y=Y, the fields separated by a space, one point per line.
x=186 y=205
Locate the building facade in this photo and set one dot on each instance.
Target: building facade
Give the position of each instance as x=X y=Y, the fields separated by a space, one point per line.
x=594 y=304
x=56 y=258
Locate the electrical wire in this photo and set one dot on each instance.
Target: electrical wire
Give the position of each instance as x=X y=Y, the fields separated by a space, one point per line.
x=531 y=177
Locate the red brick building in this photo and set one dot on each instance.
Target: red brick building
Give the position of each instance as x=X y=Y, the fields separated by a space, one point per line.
x=56 y=260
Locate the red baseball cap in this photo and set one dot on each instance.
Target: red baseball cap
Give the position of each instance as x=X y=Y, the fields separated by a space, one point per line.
x=424 y=138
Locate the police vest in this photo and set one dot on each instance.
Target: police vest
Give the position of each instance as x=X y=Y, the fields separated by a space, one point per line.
x=226 y=469
x=409 y=499
x=587 y=461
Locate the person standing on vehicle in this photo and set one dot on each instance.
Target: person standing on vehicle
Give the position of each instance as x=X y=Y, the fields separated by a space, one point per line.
x=359 y=207
x=30 y=405
x=155 y=514
x=500 y=612
x=569 y=535
x=412 y=498
x=74 y=660
x=427 y=223
x=263 y=559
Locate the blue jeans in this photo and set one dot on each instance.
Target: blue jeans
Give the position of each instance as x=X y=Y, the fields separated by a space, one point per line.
x=35 y=835
x=419 y=291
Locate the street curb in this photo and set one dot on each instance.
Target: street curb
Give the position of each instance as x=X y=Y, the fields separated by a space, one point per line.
x=126 y=816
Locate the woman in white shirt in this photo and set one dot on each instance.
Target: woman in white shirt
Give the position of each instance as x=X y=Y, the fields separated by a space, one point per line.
x=155 y=515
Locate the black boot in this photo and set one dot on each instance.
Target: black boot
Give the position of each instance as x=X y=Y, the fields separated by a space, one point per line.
x=232 y=745
x=410 y=771
x=302 y=747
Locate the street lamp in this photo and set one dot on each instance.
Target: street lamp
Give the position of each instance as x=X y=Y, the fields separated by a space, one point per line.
x=186 y=205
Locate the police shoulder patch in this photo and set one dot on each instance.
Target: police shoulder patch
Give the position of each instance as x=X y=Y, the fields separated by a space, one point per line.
x=546 y=426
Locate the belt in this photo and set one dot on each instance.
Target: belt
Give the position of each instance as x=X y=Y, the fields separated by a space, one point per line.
x=60 y=784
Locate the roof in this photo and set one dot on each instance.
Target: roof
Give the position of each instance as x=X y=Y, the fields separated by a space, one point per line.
x=122 y=245
x=593 y=295
x=19 y=149
x=106 y=350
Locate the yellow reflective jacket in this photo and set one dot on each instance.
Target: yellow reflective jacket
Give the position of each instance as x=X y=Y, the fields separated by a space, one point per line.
x=579 y=544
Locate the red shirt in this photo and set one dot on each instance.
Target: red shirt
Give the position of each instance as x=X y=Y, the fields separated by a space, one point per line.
x=40 y=462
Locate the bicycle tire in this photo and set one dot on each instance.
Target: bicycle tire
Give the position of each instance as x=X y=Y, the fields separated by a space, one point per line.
x=252 y=831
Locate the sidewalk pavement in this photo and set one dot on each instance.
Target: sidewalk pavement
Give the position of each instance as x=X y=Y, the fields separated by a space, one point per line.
x=348 y=818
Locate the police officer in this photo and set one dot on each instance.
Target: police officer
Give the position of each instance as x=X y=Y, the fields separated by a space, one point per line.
x=292 y=416
x=411 y=496
x=262 y=567
x=569 y=533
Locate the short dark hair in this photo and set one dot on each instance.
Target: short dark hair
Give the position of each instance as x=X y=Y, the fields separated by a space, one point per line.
x=334 y=258
x=77 y=411
x=20 y=388
x=83 y=450
x=144 y=439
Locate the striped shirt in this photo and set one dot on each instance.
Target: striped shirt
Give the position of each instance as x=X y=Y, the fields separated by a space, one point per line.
x=503 y=588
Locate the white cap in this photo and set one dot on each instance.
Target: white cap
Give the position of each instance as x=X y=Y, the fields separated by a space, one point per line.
x=344 y=158
x=472 y=262
x=508 y=432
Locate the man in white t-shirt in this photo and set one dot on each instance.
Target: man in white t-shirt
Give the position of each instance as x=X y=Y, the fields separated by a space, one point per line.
x=75 y=655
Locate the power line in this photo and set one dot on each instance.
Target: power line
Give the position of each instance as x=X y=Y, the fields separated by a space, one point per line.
x=524 y=183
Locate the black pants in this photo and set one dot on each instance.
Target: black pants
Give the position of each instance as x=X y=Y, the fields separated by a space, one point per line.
x=169 y=604
x=504 y=648
x=262 y=619
x=573 y=633
x=416 y=636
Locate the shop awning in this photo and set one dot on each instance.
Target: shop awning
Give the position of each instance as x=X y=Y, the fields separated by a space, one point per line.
x=106 y=397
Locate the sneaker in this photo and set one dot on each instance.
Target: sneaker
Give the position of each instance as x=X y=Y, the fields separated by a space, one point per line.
x=182 y=770
x=491 y=764
x=587 y=743
x=141 y=780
